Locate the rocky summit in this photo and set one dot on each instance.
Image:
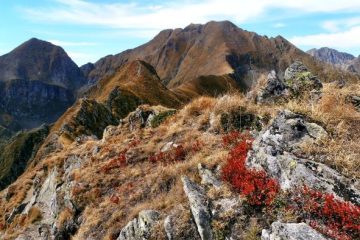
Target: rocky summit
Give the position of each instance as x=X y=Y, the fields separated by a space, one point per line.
x=209 y=132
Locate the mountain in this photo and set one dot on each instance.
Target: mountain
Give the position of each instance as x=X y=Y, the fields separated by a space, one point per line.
x=38 y=82
x=163 y=145
x=341 y=60
x=184 y=58
x=331 y=56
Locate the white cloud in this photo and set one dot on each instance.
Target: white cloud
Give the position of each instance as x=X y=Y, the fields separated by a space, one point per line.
x=344 y=39
x=71 y=44
x=337 y=25
x=173 y=14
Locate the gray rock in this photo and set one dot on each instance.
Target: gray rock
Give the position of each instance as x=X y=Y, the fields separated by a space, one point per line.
x=169 y=227
x=355 y=101
x=208 y=177
x=139 y=228
x=275 y=152
x=140 y=118
x=291 y=231
x=274 y=88
x=199 y=208
x=298 y=79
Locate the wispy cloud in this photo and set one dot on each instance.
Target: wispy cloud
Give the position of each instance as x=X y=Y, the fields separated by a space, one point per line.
x=343 y=39
x=132 y=15
x=279 y=25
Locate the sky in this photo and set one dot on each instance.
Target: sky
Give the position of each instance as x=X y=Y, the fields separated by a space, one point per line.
x=91 y=29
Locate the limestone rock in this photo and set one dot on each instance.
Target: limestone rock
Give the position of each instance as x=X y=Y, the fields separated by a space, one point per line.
x=208 y=177
x=274 y=151
x=291 y=231
x=139 y=228
x=199 y=208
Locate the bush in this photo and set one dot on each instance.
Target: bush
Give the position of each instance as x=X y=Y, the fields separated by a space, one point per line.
x=254 y=185
x=332 y=217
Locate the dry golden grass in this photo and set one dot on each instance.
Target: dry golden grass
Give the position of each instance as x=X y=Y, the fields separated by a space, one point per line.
x=144 y=185
x=341 y=120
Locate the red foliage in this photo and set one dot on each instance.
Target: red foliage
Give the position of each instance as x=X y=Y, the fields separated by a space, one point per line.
x=255 y=185
x=117 y=162
x=340 y=219
x=115 y=199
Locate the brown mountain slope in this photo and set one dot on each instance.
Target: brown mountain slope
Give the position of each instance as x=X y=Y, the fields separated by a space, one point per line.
x=138 y=78
x=216 y=48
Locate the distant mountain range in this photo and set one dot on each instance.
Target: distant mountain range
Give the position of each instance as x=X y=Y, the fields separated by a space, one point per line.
x=342 y=60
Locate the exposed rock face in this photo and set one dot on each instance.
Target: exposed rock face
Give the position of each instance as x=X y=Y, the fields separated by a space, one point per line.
x=291 y=231
x=275 y=150
x=274 y=89
x=18 y=152
x=199 y=208
x=38 y=82
x=298 y=79
x=91 y=118
x=331 y=56
x=139 y=228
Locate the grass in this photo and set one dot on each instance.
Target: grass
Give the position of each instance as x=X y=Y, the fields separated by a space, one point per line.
x=141 y=184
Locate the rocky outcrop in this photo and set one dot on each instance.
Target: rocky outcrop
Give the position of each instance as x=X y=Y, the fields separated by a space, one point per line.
x=199 y=208
x=139 y=228
x=298 y=79
x=89 y=118
x=273 y=90
x=291 y=231
x=276 y=151
x=17 y=153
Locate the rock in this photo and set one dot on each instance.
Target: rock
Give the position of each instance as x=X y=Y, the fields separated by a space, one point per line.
x=139 y=228
x=226 y=206
x=169 y=227
x=88 y=118
x=199 y=208
x=274 y=89
x=355 y=101
x=298 y=79
x=140 y=118
x=291 y=231
x=275 y=151
x=208 y=178
x=17 y=210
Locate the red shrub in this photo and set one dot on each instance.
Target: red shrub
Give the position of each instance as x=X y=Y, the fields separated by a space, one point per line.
x=115 y=199
x=340 y=219
x=117 y=162
x=255 y=185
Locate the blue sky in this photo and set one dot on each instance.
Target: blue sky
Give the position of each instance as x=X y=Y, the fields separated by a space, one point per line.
x=91 y=29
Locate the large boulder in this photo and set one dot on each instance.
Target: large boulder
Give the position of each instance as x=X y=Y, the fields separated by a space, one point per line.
x=276 y=150
x=299 y=79
x=291 y=231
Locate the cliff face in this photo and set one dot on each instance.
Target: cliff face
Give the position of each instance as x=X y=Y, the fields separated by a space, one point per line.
x=38 y=82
